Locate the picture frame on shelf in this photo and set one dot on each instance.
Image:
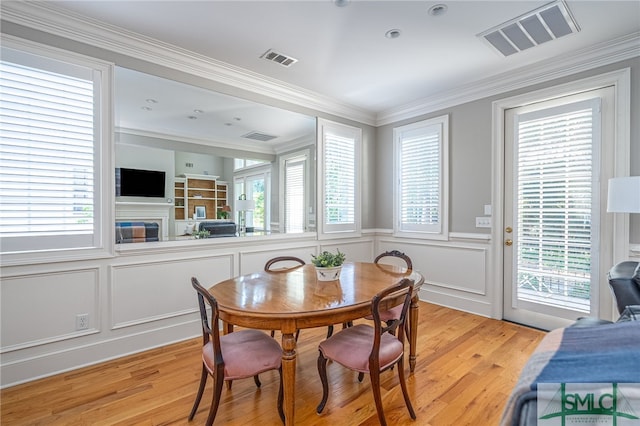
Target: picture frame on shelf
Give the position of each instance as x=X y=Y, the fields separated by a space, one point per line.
x=201 y=212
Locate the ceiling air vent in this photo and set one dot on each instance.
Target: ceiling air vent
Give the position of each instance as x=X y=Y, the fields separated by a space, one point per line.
x=257 y=136
x=279 y=58
x=547 y=23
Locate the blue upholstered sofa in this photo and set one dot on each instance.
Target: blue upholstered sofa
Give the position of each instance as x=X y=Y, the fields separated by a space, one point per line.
x=218 y=228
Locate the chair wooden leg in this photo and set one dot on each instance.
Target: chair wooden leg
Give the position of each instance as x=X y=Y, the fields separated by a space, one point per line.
x=281 y=397
x=273 y=333
x=322 y=371
x=375 y=387
x=218 y=380
x=403 y=386
x=329 y=331
x=257 y=380
x=229 y=383
x=203 y=381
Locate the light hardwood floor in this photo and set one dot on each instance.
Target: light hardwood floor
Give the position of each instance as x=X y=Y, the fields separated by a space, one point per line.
x=466 y=368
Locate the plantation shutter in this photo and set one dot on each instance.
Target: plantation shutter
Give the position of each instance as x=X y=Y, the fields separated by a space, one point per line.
x=46 y=154
x=294 y=194
x=420 y=170
x=340 y=179
x=555 y=197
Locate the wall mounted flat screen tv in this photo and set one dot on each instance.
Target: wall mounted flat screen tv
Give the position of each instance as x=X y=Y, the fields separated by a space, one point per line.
x=139 y=183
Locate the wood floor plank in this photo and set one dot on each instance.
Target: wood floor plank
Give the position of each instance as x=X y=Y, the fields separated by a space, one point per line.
x=466 y=367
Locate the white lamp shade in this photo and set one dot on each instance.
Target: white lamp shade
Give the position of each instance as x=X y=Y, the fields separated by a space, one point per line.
x=624 y=195
x=245 y=205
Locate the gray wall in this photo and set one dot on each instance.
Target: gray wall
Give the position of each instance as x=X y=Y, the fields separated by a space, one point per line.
x=470 y=148
x=470 y=159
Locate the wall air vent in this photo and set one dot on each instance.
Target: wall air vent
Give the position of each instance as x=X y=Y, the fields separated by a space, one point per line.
x=284 y=60
x=547 y=23
x=257 y=136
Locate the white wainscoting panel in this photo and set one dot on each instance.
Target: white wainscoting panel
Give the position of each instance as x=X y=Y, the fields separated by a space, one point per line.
x=149 y=291
x=456 y=273
x=447 y=265
x=360 y=250
x=41 y=308
x=254 y=259
x=457 y=268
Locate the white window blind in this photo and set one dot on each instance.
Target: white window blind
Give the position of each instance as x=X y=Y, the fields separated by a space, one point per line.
x=294 y=194
x=419 y=170
x=555 y=197
x=339 y=177
x=47 y=153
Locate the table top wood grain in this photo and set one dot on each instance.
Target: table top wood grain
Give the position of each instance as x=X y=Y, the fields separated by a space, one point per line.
x=297 y=293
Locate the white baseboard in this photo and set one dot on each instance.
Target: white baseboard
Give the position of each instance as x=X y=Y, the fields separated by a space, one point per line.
x=75 y=357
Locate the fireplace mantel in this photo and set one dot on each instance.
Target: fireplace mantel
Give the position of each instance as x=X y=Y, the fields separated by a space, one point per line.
x=145 y=212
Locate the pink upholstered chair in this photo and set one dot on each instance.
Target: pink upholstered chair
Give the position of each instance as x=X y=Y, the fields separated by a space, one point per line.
x=283 y=264
x=237 y=355
x=393 y=313
x=372 y=350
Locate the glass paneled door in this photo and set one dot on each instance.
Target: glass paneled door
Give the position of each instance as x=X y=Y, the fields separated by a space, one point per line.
x=255 y=188
x=551 y=235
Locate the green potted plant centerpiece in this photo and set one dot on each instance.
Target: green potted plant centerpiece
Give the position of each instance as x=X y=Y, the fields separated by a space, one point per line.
x=328 y=265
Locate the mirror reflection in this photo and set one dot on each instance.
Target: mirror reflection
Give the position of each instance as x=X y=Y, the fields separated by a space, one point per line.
x=230 y=167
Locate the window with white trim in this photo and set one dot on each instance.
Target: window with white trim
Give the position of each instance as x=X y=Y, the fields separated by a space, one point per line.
x=50 y=150
x=293 y=172
x=340 y=148
x=243 y=163
x=420 y=194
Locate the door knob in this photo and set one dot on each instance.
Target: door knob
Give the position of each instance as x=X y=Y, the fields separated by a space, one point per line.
x=508 y=242
x=508 y=230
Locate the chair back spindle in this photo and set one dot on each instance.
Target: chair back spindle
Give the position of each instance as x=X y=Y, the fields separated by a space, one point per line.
x=390 y=256
x=287 y=262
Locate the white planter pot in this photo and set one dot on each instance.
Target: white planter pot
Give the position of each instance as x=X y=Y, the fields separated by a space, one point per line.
x=328 y=274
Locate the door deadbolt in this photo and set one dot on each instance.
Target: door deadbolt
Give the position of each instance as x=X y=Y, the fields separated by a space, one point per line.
x=508 y=230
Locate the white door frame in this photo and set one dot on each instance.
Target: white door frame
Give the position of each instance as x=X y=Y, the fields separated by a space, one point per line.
x=615 y=248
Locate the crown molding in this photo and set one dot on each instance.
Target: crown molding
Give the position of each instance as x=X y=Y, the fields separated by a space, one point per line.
x=64 y=23
x=248 y=147
x=53 y=20
x=623 y=48
x=299 y=143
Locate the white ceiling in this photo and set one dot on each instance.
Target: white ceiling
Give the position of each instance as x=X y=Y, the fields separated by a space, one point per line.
x=343 y=53
x=152 y=105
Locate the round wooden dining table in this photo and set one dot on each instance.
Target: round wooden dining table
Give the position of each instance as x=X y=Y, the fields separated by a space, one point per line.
x=293 y=299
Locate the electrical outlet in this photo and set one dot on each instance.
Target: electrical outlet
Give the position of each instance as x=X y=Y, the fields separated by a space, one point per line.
x=483 y=222
x=82 y=321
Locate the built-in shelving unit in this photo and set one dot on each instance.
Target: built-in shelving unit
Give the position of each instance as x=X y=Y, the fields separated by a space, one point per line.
x=193 y=192
x=179 y=198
